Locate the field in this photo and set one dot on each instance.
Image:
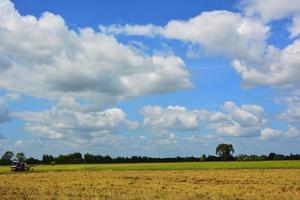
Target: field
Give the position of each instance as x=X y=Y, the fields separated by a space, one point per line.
x=232 y=180
x=166 y=166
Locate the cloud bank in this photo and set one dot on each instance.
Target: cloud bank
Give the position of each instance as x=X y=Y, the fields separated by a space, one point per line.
x=243 y=39
x=232 y=120
x=50 y=60
x=73 y=122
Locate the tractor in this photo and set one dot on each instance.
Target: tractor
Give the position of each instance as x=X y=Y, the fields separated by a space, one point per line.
x=17 y=165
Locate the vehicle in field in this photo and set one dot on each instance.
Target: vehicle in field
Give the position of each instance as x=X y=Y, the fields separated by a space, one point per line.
x=17 y=165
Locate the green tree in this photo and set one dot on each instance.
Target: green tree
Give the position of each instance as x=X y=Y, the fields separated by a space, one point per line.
x=272 y=156
x=225 y=151
x=21 y=156
x=7 y=156
x=47 y=159
x=203 y=158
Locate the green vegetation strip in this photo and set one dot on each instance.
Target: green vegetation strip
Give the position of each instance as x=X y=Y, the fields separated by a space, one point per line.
x=166 y=166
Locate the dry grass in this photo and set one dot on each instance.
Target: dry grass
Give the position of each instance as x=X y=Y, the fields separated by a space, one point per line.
x=192 y=184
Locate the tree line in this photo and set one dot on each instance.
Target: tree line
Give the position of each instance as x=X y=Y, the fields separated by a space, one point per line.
x=78 y=158
x=224 y=152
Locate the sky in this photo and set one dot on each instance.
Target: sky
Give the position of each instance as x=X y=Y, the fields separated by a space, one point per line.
x=150 y=78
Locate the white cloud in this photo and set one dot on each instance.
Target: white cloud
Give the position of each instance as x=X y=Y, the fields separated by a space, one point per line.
x=141 y=30
x=234 y=121
x=278 y=67
x=246 y=120
x=293 y=132
x=292 y=113
x=75 y=122
x=269 y=133
x=43 y=131
x=219 y=32
x=241 y=39
x=247 y=115
x=163 y=123
x=270 y=9
x=49 y=60
x=294 y=28
x=172 y=117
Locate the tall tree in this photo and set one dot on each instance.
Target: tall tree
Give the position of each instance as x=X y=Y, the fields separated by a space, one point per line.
x=203 y=158
x=21 y=156
x=225 y=151
x=8 y=155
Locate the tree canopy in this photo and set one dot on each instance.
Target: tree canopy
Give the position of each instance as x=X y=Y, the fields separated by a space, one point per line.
x=225 y=151
x=8 y=155
x=21 y=156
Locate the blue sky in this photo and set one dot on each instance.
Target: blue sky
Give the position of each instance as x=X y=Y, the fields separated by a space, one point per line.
x=149 y=78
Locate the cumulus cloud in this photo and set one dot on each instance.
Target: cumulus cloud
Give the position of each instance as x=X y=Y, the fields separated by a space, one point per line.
x=50 y=60
x=270 y=9
x=243 y=39
x=218 y=32
x=269 y=133
x=292 y=112
x=233 y=120
x=246 y=120
x=293 y=132
x=71 y=121
x=278 y=67
x=139 y=30
x=294 y=28
x=172 y=117
x=163 y=123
